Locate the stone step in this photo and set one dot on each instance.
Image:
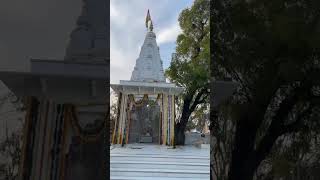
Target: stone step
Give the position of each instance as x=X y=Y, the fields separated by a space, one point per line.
x=159 y=165
x=163 y=163
x=170 y=155
x=155 y=178
x=176 y=156
x=159 y=159
x=171 y=173
x=204 y=153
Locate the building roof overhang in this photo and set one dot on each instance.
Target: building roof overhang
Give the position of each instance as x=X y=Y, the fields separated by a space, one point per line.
x=61 y=81
x=135 y=87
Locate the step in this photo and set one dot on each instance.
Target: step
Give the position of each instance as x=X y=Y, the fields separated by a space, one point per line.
x=159 y=165
x=163 y=163
x=170 y=155
x=159 y=159
x=155 y=178
x=173 y=173
x=177 y=156
x=157 y=151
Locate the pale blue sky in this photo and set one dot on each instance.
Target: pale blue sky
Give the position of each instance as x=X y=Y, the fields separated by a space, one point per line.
x=128 y=31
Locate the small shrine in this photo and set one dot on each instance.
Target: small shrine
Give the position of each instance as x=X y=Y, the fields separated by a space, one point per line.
x=146 y=102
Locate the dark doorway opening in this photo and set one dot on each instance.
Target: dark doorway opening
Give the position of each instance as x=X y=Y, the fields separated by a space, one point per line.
x=145 y=123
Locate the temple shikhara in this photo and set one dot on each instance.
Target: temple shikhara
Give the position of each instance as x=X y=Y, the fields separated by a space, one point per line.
x=146 y=102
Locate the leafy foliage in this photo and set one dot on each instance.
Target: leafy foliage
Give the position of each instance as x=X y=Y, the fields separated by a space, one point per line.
x=189 y=67
x=271 y=48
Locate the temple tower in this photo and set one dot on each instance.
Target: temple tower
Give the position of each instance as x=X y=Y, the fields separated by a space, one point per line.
x=137 y=122
x=148 y=66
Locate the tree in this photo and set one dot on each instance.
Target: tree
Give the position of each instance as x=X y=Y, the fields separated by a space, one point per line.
x=10 y=149
x=221 y=143
x=113 y=112
x=189 y=67
x=271 y=48
x=10 y=146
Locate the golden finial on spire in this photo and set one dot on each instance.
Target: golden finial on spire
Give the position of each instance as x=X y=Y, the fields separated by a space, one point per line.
x=149 y=26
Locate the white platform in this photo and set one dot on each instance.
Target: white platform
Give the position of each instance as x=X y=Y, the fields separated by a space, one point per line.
x=143 y=161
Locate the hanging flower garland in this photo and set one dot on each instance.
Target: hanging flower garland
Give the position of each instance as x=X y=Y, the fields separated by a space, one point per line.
x=144 y=100
x=84 y=135
x=139 y=103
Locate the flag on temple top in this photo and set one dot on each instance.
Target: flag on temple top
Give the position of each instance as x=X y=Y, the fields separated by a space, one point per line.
x=148 y=18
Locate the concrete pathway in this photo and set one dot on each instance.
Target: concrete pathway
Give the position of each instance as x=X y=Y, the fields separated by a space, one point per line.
x=156 y=162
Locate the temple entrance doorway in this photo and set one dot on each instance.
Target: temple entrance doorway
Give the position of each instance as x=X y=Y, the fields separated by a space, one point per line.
x=145 y=121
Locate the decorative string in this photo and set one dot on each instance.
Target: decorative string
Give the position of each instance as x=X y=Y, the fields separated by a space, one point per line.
x=85 y=136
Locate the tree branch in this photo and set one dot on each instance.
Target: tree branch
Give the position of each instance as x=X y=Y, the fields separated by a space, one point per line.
x=197 y=99
x=298 y=123
x=276 y=127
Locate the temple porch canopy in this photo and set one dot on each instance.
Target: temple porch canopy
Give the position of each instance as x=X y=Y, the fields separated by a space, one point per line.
x=135 y=87
x=161 y=92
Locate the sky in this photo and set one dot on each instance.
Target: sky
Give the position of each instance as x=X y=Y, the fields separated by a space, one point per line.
x=127 y=32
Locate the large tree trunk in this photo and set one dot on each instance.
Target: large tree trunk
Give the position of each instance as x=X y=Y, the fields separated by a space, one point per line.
x=188 y=107
x=246 y=157
x=242 y=166
x=179 y=134
x=180 y=127
x=243 y=163
x=244 y=171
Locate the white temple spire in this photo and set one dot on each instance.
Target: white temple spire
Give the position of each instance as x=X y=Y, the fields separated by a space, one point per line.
x=148 y=66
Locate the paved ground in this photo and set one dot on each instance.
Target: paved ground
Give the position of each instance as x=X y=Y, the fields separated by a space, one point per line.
x=155 y=162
